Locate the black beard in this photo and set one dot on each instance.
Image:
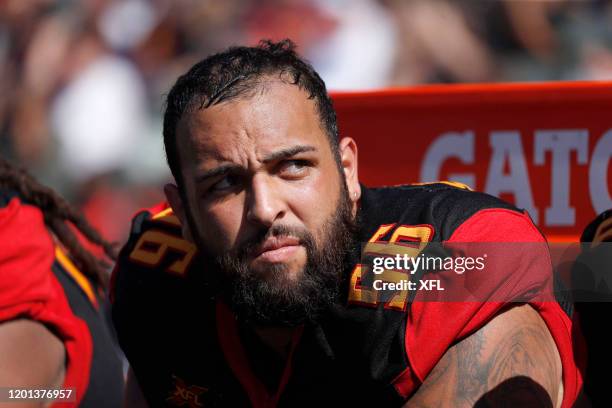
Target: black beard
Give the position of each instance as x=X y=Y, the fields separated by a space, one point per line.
x=272 y=301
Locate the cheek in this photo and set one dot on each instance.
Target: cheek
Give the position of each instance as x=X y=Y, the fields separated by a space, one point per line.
x=316 y=200
x=220 y=225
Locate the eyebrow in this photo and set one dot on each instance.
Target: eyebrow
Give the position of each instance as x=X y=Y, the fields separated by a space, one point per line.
x=286 y=153
x=217 y=171
x=275 y=156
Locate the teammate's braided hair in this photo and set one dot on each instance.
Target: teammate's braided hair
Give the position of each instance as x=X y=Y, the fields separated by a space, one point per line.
x=57 y=212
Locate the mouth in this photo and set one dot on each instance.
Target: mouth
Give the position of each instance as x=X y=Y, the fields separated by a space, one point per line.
x=277 y=249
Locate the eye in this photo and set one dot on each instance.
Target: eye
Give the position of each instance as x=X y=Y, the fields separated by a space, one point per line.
x=228 y=182
x=294 y=167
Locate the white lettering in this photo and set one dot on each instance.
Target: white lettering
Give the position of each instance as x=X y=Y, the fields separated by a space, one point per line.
x=377 y=284
x=507 y=146
x=459 y=145
x=599 y=185
x=378 y=269
x=561 y=143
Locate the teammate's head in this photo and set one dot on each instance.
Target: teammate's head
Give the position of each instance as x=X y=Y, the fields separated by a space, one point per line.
x=264 y=186
x=57 y=214
x=600 y=229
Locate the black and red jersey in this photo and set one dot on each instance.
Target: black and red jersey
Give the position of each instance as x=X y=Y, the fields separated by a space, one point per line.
x=187 y=349
x=38 y=281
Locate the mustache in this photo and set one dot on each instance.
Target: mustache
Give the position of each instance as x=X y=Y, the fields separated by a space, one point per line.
x=248 y=247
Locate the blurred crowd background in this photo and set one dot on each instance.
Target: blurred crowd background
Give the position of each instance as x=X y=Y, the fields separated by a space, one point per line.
x=83 y=82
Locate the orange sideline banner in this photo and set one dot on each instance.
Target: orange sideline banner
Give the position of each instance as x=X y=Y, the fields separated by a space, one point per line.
x=545 y=147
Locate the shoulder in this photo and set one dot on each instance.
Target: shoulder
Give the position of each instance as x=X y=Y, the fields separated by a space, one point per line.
x=158 y=292
x=445 y=206
x=155 y=251
x=156 y=274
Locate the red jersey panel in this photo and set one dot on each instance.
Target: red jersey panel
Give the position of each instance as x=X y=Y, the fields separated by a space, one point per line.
x=433 y=327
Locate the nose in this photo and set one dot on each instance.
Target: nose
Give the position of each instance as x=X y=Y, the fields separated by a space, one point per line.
x=265 y=203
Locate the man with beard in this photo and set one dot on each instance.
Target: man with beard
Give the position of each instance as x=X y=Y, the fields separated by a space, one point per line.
x=247 y=290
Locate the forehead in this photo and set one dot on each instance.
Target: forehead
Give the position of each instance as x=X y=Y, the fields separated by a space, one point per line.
x=278 y=115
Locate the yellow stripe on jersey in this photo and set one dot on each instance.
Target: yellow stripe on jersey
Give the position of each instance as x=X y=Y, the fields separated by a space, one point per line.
x=77 y=275
x=168 y=216
x=449 y=183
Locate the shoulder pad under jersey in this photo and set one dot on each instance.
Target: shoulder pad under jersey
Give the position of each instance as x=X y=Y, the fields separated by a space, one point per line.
x=155 y=251
x=441 y=207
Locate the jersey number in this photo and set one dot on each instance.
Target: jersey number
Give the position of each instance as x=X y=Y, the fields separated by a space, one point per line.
x=406 y=239
x=153 y=246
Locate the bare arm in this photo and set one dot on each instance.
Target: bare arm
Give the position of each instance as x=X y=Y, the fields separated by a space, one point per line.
x=133 y=393
x=512 y=361
x=30 y=356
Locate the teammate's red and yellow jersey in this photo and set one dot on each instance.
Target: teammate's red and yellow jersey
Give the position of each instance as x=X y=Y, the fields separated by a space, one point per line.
x=39 y=282
x=186 y=347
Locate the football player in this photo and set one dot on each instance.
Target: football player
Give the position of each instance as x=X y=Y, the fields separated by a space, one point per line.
x=248 y=289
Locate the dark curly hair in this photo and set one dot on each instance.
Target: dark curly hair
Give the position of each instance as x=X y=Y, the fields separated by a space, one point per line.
x=235 y=72
x=58 y=214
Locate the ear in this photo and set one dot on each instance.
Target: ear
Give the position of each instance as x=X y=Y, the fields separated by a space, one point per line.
x=348 y=161
x=174 y=199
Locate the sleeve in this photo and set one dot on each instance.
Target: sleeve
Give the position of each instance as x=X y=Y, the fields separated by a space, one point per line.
x=28 y=288
x=147 y=287
x=518 y=269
